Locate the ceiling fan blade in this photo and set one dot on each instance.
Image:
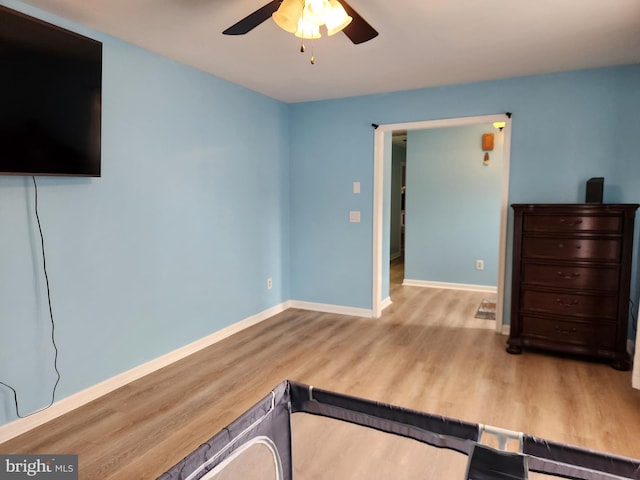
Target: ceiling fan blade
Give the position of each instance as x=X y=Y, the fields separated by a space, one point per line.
x=250 y=22
x=358 y=31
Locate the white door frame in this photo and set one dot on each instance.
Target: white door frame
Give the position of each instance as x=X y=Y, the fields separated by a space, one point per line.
x=378 y=199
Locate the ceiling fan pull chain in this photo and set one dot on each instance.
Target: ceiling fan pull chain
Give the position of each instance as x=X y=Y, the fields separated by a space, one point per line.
x=303 y=49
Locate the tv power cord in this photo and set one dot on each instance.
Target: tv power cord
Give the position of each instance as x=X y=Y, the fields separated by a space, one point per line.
x=53 y=325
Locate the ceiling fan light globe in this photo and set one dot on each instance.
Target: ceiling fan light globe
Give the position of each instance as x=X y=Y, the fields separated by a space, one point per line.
x=287 y=15
x=316 y=11
x=307 y=30
x=337 y=18
x=337 y=25
x=332 y=30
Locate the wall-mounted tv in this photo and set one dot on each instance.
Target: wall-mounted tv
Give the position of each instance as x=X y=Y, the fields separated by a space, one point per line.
x=50 y=99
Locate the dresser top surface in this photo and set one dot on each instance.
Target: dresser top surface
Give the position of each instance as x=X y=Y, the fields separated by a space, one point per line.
x=585 y=207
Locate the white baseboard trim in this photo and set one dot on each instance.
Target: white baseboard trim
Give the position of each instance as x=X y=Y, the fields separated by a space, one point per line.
x=65 y=405
x=450 y=286
x=328 y=308
x=506 y=329
x=386 y=303
x=393 y=256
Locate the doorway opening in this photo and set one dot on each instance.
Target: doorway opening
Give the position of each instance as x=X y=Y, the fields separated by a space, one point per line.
x=382 y=170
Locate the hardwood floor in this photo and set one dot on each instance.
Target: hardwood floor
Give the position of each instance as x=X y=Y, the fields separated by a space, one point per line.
x=427 y=352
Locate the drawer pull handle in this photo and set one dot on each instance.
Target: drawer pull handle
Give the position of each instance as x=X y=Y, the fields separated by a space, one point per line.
x=567 y=304
x=561 y=245
x=568 y=276
x=565 y=331
x=570 y=224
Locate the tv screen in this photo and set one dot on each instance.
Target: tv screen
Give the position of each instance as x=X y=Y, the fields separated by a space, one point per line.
x=50 y=99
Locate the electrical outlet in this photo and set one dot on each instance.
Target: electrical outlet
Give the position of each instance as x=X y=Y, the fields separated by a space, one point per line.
x=269 y=283
x=479 y=264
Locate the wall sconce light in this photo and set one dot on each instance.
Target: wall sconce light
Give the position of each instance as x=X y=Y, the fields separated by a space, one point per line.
x=487 y=146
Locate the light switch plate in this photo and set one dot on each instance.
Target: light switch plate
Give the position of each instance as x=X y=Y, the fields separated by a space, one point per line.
x=354 y=216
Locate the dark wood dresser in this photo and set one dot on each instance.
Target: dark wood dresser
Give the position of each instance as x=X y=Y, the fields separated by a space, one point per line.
x=571 y=275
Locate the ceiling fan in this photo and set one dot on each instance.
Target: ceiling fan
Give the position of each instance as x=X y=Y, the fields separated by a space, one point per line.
x=358 y=30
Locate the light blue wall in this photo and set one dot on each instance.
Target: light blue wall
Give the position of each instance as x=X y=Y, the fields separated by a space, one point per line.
x=453 y=205
x=566 y=129
x=333 y=257
x=173 y=243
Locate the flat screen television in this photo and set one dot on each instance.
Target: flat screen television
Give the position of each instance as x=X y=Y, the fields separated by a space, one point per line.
x=50 y=99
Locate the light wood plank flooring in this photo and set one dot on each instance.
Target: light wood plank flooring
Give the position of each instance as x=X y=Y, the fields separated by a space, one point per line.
x=427 y=352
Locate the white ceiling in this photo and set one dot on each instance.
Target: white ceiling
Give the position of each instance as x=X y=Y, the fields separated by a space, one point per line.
x=422 y=43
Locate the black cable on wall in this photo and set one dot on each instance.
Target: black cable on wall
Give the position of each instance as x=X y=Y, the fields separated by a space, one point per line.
x=53 y=325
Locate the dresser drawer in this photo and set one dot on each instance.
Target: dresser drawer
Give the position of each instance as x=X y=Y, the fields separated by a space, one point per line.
x=571 y=248
x=584 y=278
x=586 y=334
x=596 y=306
x=572 y=223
